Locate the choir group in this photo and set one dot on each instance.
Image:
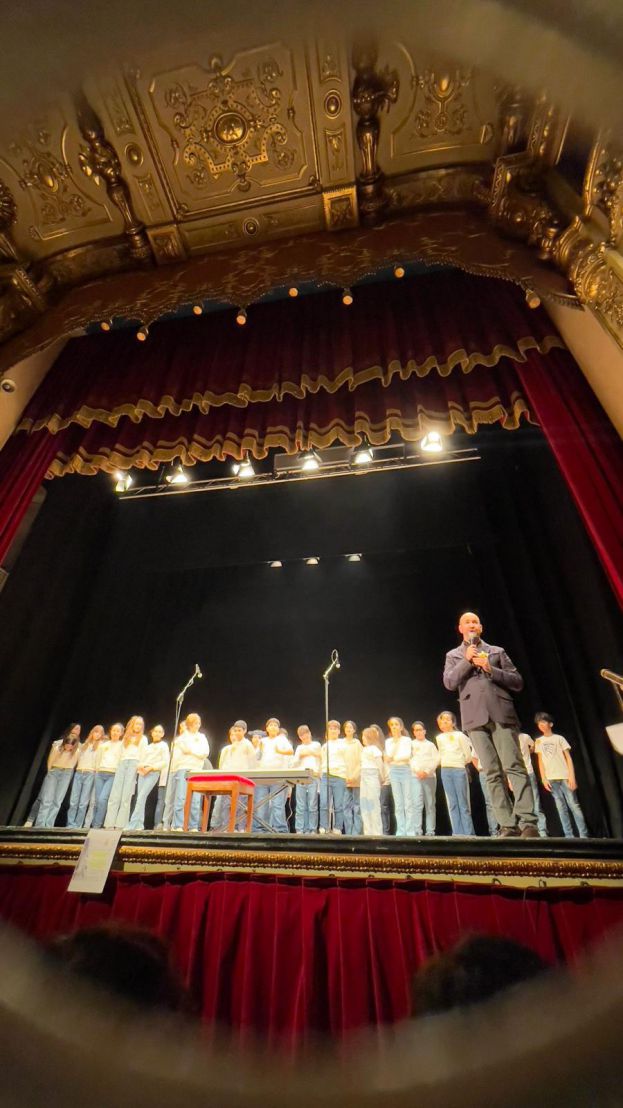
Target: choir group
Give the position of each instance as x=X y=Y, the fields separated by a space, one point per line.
x=354 y=784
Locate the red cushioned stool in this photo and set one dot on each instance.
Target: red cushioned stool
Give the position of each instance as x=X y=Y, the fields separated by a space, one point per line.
x=219 y=784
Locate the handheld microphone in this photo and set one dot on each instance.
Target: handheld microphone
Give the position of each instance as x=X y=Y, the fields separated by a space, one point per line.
x=335 y=659
x=472 y=639
x=198 y=672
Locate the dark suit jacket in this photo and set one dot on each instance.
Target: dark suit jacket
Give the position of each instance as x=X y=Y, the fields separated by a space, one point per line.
x=483 y=698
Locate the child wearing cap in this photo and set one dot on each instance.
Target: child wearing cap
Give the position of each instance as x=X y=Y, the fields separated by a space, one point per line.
x=275 y=753
x=238 y=756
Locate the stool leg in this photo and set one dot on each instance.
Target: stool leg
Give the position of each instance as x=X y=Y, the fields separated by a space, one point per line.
x=206 y=812
x=189 y=797
x=250 y=811
x=233 y=808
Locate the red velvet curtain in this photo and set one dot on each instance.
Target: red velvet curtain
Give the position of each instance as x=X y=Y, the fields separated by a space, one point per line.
x=284 y=957
x=587 y=448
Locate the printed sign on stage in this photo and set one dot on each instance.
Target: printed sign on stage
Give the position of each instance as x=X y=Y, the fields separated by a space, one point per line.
x=96 y=858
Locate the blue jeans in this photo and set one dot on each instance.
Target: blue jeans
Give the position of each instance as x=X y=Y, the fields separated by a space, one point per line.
x=53 y=794
x=145 y=784
x=456 y=788
x=159 y=813
x=102 y=786
x=424 y=791
x=306 y=815
x=568 y=803
x=353 y=824
x=221 y=812
x=400 y=778
x=79 y=797
x=386 y=808
x=337 y=791
x=540 y=814
x=118 y=810
x=492 y=823
x=370 y=802
x=178 y=801
x=270 y=808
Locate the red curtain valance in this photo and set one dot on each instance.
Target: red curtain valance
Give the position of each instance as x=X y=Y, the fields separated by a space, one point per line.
x=293 y=348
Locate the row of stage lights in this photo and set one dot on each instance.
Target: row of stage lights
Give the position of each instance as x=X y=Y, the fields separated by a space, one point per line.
x=314 y=560
x=309 y=462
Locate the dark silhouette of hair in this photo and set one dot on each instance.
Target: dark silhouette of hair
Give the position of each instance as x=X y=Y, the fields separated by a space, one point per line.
x=477 y=968
x=127 y=961
x=64 y=736
x=446 y=712
x=545 y=716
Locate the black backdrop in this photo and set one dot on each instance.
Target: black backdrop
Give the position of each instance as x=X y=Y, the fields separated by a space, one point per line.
x=111 y=604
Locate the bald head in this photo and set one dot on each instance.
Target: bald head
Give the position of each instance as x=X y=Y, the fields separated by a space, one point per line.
x=469 y=624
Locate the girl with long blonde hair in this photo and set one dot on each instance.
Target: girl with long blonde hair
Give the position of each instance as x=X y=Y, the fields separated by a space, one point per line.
x=134 y=744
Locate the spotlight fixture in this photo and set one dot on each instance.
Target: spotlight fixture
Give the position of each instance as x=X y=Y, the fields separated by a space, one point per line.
x=532 y=299
x=354 y=557
x=197 y=309
x=7 y=385
x=312 y=561
x=106 y=325
x=293 y=291
x=276 y=564
x=347 y=297
x=310 y=461
x=142 y=333
x=364 y=455
x=177 y=476
x=124 y=480
x=432 y=443
x=246 y=470
x=241 y=317
x=399 y=271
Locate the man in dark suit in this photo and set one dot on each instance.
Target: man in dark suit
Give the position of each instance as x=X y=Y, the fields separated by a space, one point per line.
x=485 y=677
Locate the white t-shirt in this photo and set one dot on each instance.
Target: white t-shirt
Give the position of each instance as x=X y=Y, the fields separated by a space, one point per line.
x=275 y=753
x=337 y=758
x=526 y=745
x=400 y=749
x=133 y=752
x=108 y=756
x=87 y=758
x=306 y=756
x=455 y=749
x=372 y=761
x=157 y=757
x=192 y=749
x=238 y=757
x=425 y=757
x=552 y=748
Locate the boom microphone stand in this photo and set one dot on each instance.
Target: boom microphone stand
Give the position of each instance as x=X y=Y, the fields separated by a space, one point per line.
x=334 y=664
x=179 y=700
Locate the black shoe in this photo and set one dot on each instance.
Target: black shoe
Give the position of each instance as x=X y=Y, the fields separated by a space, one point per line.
x=529 y=832
x=509 y=833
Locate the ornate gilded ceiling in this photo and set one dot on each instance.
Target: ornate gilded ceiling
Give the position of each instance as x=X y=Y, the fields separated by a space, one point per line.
x=323 y=148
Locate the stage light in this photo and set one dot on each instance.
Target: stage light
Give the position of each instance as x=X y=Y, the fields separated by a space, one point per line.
x=177 y=476
x=310 y=461
x=197 y=309
x=106 y=325
x=354 y=557
x=364 y=455
x=7 y=385
x=532 y=299
x=276 y=564
x=246 y=469
x=124 y=480
x=241 y=317
x=293 y=291
x=399 y=271
x=432 y=443
x=347 y=297
x=312 y=561
x=142 y=333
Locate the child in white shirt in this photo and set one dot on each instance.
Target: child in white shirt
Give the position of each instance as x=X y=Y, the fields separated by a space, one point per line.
x=192 y=749
x=106 y=765
x=456 y=753
x=152 y=765
x=425 y=758
x=307 y=756
x=134 y=744
x=333 y=781
x=352 y=810
x=275 y=752
x=84 y=778
x=373 y=776
x=238 y=756
x=398 y=757
x=558 y=775
x=526 y=745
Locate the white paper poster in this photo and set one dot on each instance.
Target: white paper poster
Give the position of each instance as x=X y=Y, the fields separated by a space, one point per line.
x=96 y=858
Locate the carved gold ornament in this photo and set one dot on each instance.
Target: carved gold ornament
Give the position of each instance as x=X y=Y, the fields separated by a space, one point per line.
x=443 y=111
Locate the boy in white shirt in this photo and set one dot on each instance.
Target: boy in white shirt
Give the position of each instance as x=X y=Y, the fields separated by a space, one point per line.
x=153 y=765
x=456 y=753
x=425 y=758
x=307 y=756
x=333 y=786
x=558 y=775
x=526 y=745
x=238 y=756
x=192 y=749
x=275 y=752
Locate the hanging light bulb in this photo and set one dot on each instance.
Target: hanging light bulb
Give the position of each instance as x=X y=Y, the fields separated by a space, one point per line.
x=124 y=481
x=177 y=476
x=354 y=557
x=241 y=317
x=245 y=469
x=106 y=325
x=142 y=333
x=276 y=564
x=197 y=309
x=293 y=291
x=310 y=461
x=432 y=443
x=399 y=271
x=347 y=297
x=364 y=455
x=312 y=561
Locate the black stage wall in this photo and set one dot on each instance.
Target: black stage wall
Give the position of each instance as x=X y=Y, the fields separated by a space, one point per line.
x=112 y=603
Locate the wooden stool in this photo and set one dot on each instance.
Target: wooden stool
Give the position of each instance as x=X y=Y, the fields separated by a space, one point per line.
x=219 y=784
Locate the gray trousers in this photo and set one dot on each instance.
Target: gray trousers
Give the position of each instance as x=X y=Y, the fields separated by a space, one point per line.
x=498 y=750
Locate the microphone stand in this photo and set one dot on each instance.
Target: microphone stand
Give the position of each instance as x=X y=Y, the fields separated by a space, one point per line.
x=334 y=664
x=179 y=700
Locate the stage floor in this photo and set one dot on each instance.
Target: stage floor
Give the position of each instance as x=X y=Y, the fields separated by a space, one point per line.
x=481 y=860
